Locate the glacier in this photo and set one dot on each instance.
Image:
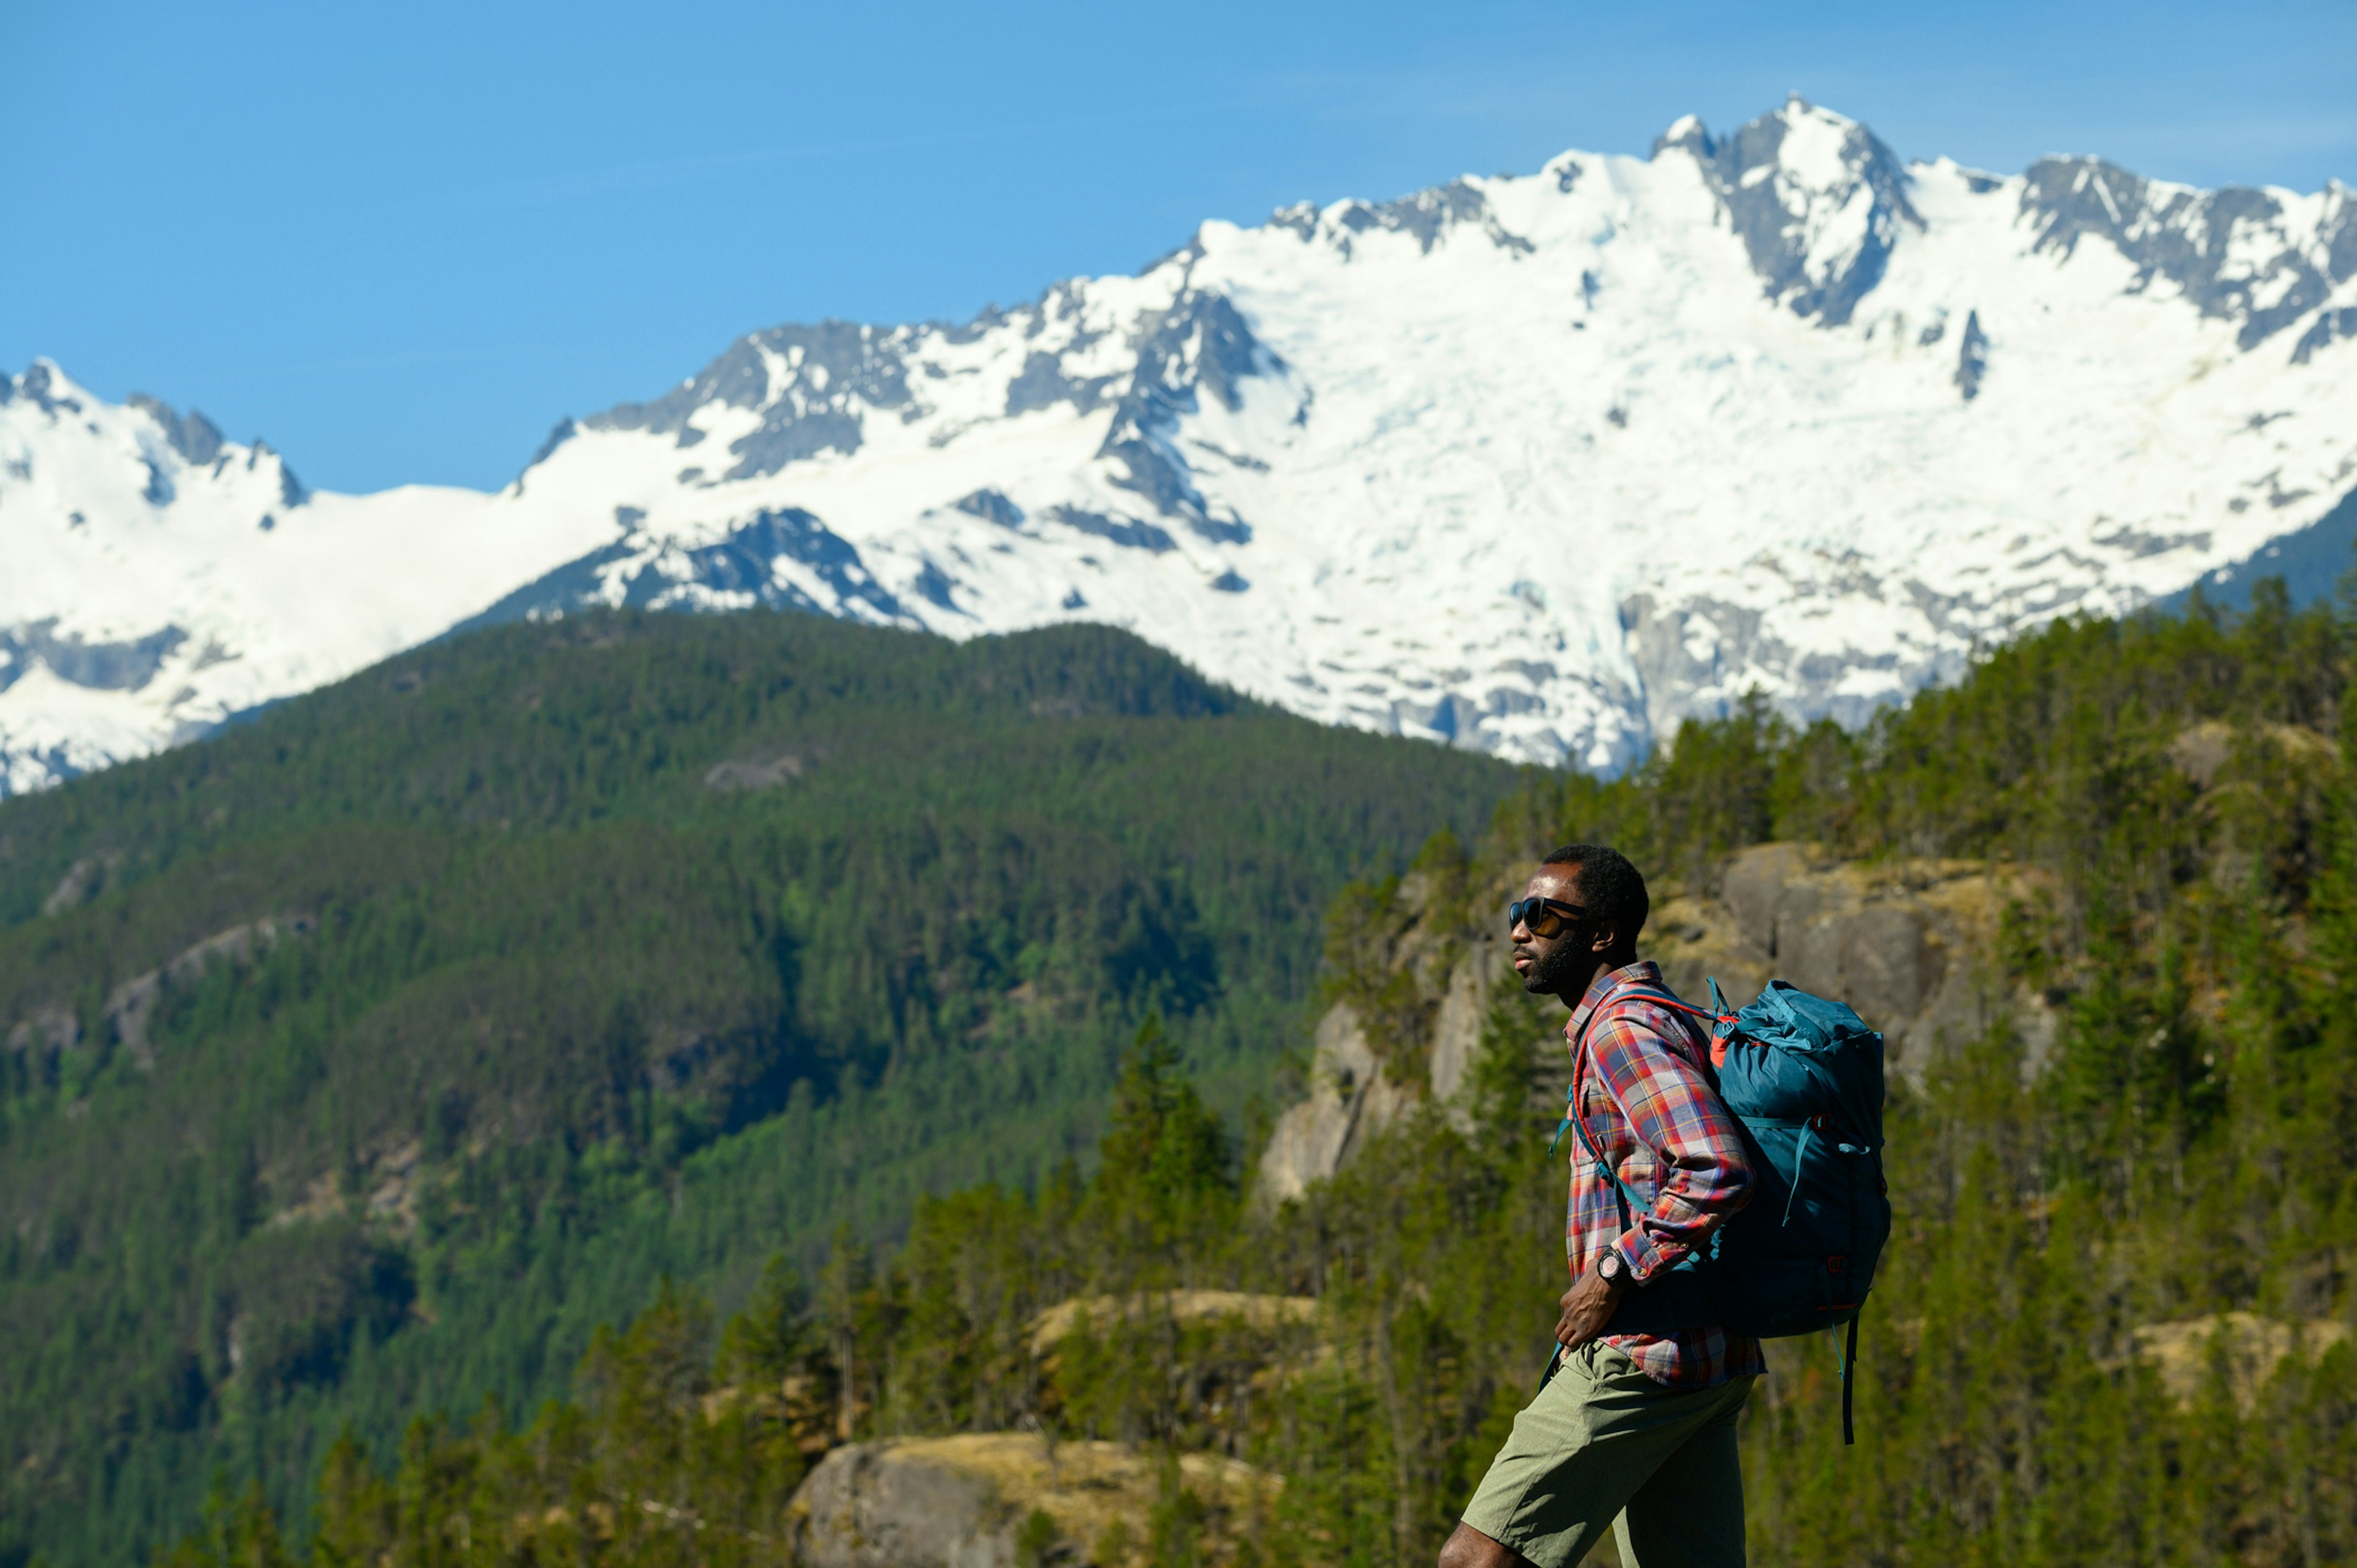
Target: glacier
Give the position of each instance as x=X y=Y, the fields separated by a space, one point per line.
x=1541 y=464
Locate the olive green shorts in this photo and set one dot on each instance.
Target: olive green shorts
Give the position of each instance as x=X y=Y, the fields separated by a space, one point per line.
x=1603 y=1444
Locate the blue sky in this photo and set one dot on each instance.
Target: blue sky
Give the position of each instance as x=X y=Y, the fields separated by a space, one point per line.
x=401 y=241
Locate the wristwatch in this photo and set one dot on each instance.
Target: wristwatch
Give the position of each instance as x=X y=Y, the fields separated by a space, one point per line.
x=1614 y=1268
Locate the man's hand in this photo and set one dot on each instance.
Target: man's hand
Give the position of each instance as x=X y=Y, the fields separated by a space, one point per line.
x=1587 y=1309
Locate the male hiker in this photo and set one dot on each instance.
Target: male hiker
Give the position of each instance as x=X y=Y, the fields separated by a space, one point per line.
x=1637 y=1423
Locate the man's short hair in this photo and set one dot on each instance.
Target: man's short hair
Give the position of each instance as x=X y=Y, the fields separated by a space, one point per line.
x=1611 y=888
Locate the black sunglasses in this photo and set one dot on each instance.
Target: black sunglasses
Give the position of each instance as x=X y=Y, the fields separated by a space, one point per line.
x=1530 y=911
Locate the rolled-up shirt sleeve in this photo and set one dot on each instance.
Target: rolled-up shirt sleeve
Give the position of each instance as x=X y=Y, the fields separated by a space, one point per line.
x=1687 y=1144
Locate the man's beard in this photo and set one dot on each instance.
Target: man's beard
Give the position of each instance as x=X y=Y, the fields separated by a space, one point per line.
x=1550 y=971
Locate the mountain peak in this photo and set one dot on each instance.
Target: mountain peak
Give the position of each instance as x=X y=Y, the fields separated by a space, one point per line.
x=47 y=387
x=1541 y=464
x=1687 y=134
x=2267 y=259
x=193 y=437
x=1817 y=199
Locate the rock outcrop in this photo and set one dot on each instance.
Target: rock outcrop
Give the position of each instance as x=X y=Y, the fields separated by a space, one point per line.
x=1266 y=1313
x=2246 y=1346
x=974 y=1501
x=1457 y=1023
x=130 y=1005
x=900 y=1505
x=1901 y=941
x=129 y=1009
x=1350 y=1096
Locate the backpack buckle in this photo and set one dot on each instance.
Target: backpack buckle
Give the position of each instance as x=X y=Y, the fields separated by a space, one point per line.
x=1836 y=1264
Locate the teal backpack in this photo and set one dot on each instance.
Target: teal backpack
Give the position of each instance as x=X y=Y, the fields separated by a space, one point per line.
x=1803 y=1077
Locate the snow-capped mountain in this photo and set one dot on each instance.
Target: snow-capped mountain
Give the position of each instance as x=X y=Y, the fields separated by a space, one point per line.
x=1540 y=465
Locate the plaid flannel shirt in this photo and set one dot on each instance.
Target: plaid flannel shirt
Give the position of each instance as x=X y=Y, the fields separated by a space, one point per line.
x=1651 y=1063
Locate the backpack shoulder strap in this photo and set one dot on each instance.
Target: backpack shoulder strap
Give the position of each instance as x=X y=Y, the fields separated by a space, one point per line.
x=1612 y=1002
x=1630 y=1199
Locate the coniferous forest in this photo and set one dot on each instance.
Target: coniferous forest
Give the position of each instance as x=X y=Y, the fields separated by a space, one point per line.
x=680 y=1048
x=362 y=1061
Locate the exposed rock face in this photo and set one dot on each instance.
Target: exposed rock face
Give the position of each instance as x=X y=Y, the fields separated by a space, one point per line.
x=960 y=1502
x=1900 y=943
x=1817 y=200
x=740 y=569
x=130 y=1004
x=810 y=384
x=2213 y=245
x=1457 y=1025
x=886 y=1505
x=2253 y=1347
x=100 y=666
x=1350 y=1098
x=755 y=773
x=50 y=1029
x=83 y=881
x=128 y=1009
x=1264 y=1313
x=192 y=436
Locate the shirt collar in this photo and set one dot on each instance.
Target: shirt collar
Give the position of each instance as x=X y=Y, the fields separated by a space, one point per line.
x=1644 y=971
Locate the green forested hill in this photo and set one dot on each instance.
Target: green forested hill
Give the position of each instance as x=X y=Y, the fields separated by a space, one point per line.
x=363 y=1060
x=2113 y=1326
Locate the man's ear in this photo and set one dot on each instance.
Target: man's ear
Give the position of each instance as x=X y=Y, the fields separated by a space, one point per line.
x=1606 y=938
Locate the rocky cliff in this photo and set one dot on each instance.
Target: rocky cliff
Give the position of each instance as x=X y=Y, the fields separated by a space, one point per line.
x=1903 y=941
x=997 y=1500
